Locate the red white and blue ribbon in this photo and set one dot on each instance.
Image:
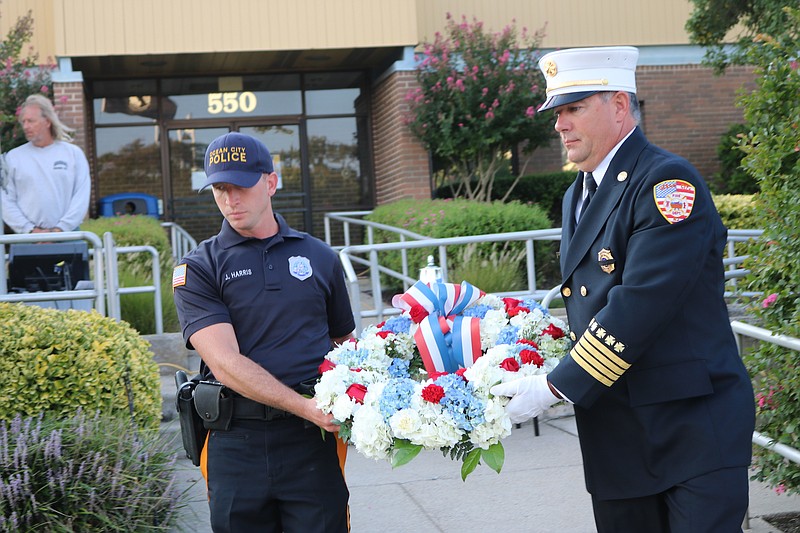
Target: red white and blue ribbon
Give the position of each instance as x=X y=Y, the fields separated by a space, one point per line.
x=446 y=341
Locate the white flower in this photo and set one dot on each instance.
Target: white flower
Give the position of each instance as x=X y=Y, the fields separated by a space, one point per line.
x=370 y=435
x=343 y=407
x=491 y=325
x=405 y=423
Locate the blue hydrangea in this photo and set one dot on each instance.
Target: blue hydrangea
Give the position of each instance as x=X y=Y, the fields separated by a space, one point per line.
x=508 y=335
x=479 y=310
x=353 y=358
x=460 y=401
x=397 y=324
x=399 y=368
x=396 y=395
x=532 y=304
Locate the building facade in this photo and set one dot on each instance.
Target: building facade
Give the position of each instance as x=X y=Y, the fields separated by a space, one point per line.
x=149 y=84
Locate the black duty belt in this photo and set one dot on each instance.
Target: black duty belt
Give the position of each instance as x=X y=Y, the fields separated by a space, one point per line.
x=247 y=409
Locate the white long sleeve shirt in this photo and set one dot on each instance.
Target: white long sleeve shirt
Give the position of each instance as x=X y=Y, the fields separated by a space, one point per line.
x=47 y=187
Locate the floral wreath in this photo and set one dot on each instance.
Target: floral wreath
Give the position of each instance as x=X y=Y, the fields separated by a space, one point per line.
x=421 y=380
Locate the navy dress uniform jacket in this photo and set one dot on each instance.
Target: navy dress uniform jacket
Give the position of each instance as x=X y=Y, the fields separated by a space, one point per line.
x=660 y=393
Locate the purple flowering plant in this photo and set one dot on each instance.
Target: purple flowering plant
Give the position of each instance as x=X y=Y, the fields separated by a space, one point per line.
x=85 y=473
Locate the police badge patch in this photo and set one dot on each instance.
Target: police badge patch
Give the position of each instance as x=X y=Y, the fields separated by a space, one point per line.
x=300 y=267
x=674 y=199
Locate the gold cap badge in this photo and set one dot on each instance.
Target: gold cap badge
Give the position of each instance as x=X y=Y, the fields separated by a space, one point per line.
x=550 y=68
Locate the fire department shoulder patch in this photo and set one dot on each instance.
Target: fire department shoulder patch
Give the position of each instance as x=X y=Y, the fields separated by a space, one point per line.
x=674 y=199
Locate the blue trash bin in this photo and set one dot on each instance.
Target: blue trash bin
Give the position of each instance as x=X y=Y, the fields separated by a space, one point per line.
x=128 y=203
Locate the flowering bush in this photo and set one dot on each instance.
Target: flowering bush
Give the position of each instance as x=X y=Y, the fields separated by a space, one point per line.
x=772 y=111
x=476 y=101
x=20 y=77
x=395 y=392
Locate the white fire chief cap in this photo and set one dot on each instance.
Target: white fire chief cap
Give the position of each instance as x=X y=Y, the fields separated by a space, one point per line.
x=577 y=73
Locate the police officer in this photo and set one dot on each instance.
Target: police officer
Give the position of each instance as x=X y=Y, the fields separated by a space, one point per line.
x=663 y=404
x=262 y=303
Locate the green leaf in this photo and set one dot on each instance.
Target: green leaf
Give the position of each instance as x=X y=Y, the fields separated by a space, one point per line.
x=404 y=452
x=470 y=463
x=494 y=457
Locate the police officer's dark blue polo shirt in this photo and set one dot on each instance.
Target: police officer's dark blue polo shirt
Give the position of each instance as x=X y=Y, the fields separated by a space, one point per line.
x=285 y=296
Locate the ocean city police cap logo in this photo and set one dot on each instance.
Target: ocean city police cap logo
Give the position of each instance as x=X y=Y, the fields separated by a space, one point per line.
x=550 y=68
x=606 y=261
x=674 y=199
x=300 y=267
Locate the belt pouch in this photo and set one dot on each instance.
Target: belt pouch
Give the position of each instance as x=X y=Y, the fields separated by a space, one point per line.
x=214 y=405
x=193 y=434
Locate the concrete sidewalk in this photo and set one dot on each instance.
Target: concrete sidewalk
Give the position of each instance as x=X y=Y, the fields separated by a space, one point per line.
x=540 y=489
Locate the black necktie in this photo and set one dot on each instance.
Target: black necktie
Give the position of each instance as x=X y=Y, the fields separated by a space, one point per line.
x=589 y=186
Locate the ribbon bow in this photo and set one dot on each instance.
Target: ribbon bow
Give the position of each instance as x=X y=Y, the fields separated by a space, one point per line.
x=445 y=340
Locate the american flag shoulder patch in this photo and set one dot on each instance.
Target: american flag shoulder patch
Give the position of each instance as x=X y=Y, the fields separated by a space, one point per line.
x=179 y=276
x=674 y=199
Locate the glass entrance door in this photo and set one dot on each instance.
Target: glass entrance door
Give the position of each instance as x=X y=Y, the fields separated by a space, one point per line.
x=291 y=200
x=197 y=212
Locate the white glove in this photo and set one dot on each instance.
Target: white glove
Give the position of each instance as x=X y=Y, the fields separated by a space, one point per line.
x=530 y=396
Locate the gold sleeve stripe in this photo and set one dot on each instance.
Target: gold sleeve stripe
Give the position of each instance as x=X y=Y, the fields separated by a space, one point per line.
x=597 y=362
x=611 y=359
x=587 y=366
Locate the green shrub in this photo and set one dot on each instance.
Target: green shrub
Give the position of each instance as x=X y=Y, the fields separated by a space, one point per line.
x=59 y=361
x=732 y=178
x=544 y=190
x=737 y=211
x=135 y=269
x=457 y=218
x=85 y=474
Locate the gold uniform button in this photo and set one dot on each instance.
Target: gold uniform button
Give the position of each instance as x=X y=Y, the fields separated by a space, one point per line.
x=584 y=292
x=566 y=292
x=572 y=335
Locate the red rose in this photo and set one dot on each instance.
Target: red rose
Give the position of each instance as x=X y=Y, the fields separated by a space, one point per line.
x=554 y=331
x=325 y=366
x=383 y=334
x=418 y=313
x=531 y=357
x=510 y=303
x=510 y=364
x=357 y=391
x=433 y=393
x=380 y=324
x=436 y=375
x=528 y=342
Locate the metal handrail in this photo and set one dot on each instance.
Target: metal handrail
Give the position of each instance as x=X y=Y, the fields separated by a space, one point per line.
x=351 y=255
x=96 y=293
x=742 y=329
x=115 y=291
x=180 y=240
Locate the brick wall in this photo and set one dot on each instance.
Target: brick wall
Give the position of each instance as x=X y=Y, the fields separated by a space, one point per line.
x=401 y=163
x=686 y=109
x=70 y=104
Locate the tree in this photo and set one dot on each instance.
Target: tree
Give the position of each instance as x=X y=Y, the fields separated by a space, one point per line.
x=20 y=77
x=712 y=21
x=772 y=149
x=476 y=102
